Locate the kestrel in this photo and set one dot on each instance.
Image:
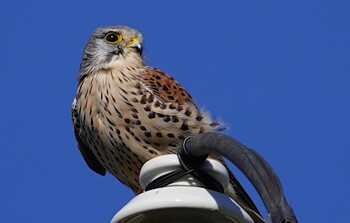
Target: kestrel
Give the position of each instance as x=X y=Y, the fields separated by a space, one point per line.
x=126 y=113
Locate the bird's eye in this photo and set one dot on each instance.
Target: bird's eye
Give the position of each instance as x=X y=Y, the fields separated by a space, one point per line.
x=113 y=37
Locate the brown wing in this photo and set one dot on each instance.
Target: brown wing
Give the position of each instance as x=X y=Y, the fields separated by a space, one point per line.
x=87 y=154
x=89 y=157
x=164 y=87
x=168 y=90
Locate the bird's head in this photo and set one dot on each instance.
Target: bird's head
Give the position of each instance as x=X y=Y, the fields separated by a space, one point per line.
x=110 y=47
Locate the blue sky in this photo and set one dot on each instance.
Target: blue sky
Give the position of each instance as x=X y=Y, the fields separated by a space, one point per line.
x=277 y=72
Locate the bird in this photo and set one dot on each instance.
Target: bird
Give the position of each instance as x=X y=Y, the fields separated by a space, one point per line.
x=125 y=112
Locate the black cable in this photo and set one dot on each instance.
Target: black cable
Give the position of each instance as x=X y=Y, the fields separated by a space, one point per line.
x=188 y=165
x=167 y=179
x=257 y=170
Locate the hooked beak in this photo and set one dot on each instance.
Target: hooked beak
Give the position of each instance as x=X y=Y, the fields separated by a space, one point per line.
x=135 y=45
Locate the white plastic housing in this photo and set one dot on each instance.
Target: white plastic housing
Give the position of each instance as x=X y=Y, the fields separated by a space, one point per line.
x=184 y=201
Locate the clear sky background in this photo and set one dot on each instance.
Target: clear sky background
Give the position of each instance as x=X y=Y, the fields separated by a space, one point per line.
x=278 y=72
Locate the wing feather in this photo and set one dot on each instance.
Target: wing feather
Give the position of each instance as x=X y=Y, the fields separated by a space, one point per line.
x=164 y=87
x=87 y=154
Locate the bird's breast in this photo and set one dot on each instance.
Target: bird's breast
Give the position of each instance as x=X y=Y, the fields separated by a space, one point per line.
x=105 y=97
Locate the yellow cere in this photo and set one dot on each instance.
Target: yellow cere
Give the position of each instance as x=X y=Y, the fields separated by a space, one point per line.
x=132 y=41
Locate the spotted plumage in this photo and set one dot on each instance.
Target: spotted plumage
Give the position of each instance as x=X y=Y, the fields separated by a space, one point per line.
x=126 y=113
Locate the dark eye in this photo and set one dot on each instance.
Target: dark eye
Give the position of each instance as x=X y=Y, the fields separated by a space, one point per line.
x=113 y=37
